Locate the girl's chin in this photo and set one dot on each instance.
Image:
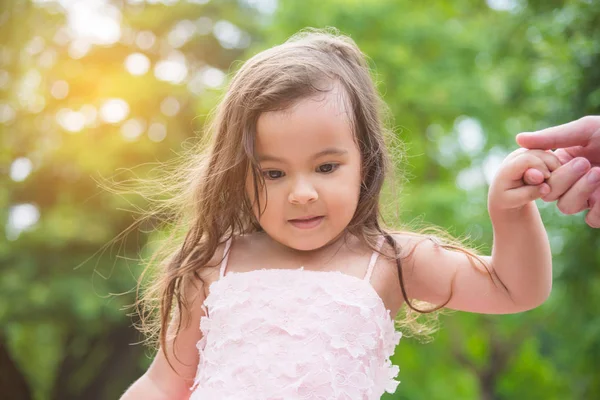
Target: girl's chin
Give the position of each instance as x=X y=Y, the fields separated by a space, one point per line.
x=302 y=245
x=313 y=243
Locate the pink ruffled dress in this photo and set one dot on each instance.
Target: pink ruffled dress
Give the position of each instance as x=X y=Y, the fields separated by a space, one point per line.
x=281 y=334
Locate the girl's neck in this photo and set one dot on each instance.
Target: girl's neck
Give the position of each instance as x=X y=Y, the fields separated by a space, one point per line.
x=308 y=257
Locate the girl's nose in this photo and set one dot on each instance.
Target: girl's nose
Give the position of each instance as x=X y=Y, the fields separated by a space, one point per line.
x=302 y=193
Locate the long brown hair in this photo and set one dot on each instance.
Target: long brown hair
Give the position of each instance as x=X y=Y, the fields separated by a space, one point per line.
x=207 y=203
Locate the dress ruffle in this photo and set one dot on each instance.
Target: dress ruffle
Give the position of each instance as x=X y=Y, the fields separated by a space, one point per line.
x=295 y=334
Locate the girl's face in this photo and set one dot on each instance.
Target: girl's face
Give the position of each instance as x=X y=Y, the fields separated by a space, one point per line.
x=312 y=170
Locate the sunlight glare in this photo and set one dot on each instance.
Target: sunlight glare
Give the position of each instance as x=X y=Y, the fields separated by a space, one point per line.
x=59 y=89
x=157 y=132
x=114 y=111
x=132 y=129
x=169 y=106
x=20 y=169
x=20 y=218
x=173 y=69
x=137 y=64
x=70 y=120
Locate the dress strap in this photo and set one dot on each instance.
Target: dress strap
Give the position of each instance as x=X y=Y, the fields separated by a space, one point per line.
x=225 y=257
x=373 y=260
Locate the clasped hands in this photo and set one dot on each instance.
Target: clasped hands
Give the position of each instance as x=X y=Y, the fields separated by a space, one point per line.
x=575 y=179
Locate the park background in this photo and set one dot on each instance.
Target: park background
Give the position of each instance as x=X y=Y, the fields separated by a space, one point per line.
x=96 y=91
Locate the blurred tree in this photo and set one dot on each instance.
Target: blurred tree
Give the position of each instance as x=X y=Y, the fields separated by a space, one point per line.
x=89 y=91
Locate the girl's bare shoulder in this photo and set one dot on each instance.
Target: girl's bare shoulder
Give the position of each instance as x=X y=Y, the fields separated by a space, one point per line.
x=407 y=243
x=386 y=277
x=210 y=272
x=243 y=252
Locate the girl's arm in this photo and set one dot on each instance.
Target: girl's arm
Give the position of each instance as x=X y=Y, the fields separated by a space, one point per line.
x=145 y=388
x=160 y=382
x=520 y=264
x=521 y=255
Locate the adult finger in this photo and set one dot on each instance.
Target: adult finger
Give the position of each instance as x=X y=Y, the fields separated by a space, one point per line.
x=574 y=133
x=593 y=216
x=565 y=177
x=576 y=198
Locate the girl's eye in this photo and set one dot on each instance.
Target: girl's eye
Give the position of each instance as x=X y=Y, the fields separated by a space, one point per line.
x=273 y=174
x=328 y=168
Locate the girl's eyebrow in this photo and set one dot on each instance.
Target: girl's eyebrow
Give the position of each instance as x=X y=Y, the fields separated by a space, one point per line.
x=327 y=152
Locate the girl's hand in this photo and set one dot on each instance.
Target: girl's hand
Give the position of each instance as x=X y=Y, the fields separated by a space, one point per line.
x=509 y=191
x=576 y=184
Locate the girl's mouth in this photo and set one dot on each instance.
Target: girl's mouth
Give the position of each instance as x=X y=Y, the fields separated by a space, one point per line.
x=307 y=223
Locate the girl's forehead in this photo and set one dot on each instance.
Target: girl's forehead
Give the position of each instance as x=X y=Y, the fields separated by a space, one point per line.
x=310 y=126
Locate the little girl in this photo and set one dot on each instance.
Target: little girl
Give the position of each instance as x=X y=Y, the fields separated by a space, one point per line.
x=286 y=284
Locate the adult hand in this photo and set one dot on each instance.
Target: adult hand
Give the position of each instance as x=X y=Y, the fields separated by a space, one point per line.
x=576 y=184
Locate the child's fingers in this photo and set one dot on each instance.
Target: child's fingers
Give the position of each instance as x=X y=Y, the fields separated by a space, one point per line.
x=533 y=177
x=516 y=153
x=563 y=156
x=550 y=159
x=518 y=197
x=519 y=165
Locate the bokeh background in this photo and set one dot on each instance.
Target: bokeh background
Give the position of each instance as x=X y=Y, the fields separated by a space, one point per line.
x=104 y=89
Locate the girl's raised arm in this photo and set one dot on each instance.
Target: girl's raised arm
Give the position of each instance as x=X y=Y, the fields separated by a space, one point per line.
x=519 y=272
